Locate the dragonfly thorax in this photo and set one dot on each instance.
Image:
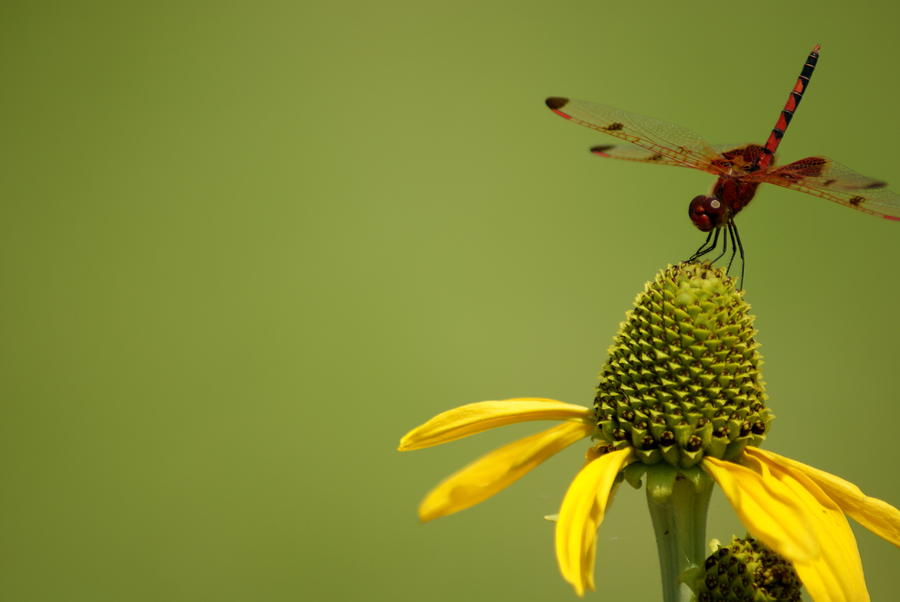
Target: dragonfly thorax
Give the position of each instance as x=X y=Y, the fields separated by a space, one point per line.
x=729 y=195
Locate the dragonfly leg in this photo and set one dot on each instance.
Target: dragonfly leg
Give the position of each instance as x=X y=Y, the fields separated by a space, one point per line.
x=731 y=230
x=706 y=247
x=702 y=250
x=712 y=243
x=736 y=247
x=724 y=249
x=737 y=237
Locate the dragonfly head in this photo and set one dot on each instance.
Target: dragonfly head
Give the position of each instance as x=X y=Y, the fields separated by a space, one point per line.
x=707 y=212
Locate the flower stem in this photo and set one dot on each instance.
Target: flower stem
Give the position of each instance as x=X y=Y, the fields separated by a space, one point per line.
x=678 y=502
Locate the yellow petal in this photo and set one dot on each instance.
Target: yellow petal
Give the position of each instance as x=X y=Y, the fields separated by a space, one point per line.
x=837 y=574
x=476 y=417
x=497 y=470
x=583 y=509
x=877 y=516
x=767 y=508
x=589 y=544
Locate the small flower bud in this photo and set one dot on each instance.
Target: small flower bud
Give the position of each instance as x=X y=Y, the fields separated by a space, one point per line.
x=746 y=570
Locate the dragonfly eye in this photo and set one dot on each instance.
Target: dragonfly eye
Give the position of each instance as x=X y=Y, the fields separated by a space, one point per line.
x=705 y=211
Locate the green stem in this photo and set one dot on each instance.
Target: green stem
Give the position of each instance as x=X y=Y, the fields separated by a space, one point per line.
x=678 y=502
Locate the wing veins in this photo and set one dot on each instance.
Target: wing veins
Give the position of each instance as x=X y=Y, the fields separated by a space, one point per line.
x=679 y=145
x=883 y=199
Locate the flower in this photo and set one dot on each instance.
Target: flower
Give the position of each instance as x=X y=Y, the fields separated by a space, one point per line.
x=681 y=402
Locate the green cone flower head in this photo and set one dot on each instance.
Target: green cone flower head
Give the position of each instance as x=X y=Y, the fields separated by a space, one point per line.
x=747 y=570
x=683 y=380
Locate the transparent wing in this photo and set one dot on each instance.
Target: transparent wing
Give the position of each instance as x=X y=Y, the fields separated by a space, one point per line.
x=629 y=152
x=727 y=155
x=674 y=144
x=827 y=179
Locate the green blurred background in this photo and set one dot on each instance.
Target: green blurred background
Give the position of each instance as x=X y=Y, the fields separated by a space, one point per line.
x=246 y=246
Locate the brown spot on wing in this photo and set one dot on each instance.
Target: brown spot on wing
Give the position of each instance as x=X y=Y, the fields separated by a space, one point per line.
x=811 y=166
x=614 y=127
x=856 y=201
x=742 y=157
x=874 y=185
x=601 y=150
x=799 y=171
x=556 y=102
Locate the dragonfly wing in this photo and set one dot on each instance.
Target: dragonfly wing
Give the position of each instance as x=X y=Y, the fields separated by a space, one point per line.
x=674 y=144
x=726 y=155
x=822 y=177
x=630 y=152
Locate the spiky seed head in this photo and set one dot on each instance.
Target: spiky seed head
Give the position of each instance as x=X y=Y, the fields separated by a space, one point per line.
x=683 y=375
x=746 y=570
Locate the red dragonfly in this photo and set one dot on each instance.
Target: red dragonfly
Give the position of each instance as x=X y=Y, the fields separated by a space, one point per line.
x=740 y=170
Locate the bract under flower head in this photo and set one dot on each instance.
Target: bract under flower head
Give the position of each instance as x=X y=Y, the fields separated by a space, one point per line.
x=682 y=380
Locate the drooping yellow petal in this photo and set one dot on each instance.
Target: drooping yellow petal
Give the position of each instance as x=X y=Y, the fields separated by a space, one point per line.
x=582 y=511
x=837 y=574
x=497 y=470
x=477 y=417
x=767 y=508
x=877 y=516
x=589 y=539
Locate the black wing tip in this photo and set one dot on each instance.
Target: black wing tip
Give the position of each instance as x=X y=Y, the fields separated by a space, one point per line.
x=600 y=150
x=556 y=102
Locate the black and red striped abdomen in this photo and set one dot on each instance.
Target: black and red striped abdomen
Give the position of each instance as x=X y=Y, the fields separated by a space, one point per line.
x=790 y=106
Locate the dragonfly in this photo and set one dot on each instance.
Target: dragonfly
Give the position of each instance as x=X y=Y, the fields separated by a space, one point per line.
x=739 y=169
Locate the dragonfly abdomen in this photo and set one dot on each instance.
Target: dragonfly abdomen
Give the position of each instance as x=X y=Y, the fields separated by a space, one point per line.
x=787 y=112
